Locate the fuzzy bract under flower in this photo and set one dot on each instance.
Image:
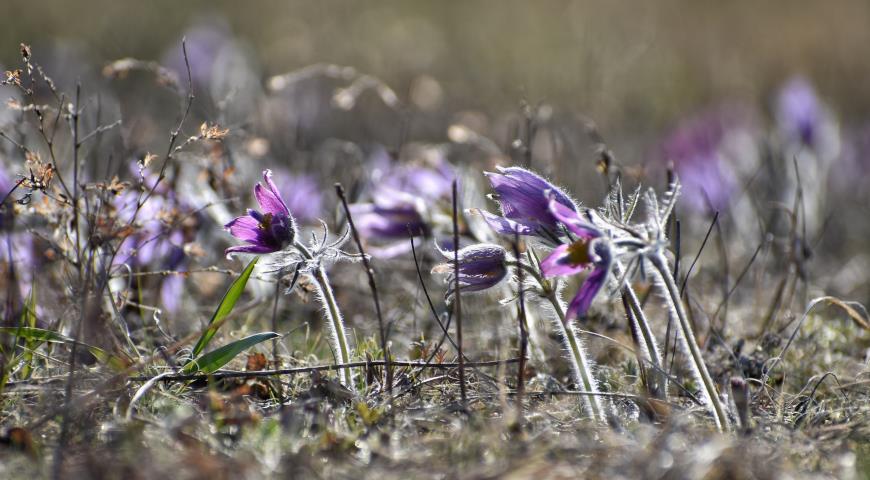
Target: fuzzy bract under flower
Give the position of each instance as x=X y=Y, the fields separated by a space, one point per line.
x=588 y=251
x=524 y=200
x=268 y=231
x=481 y=266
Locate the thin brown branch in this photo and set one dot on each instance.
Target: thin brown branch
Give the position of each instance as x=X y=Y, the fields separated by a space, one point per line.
x=322 y=368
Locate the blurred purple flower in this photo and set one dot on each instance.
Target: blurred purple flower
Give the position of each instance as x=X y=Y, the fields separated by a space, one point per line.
x=524 y=200
x=302 y=194
x=172 y=287
x=799 y=111
x=156 y=242
x=150 y=242
x=203 y=42
x=405 y=201
x=393 y=215
x=582 y=254
x=266 y=232
x=696 y=148
x=428 y=182
x=16 y=247
x=481 y=266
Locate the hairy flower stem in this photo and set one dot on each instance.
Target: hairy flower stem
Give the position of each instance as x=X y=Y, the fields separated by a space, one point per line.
x=650 y=347
x=675 y=304
x=333 y=318
x=580 y=363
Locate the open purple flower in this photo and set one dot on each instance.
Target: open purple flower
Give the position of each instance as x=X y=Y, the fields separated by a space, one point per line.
x=524 y=200
x=266 y=232
x=481 y=266
x=586 y=252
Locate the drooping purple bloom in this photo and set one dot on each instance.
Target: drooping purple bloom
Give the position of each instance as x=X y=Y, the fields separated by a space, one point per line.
x=481 y=266
x=586 y=252
x=268 y=231
x=523 y=197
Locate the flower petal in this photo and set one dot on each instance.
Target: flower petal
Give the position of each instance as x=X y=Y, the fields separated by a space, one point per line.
x=505 y=226
x=558 y=262
x=269 y=198
x=171 y=291
x=573 y=220
x=248 y=249
x=591 y=286
x=244 y=228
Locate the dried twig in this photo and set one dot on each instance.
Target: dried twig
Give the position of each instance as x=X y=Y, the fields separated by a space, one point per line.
x=372 y=285
x=322 y=368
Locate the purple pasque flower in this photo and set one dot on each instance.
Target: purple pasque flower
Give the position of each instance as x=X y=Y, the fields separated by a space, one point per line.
x=481 y=266
x=524 y=199
x=588 y=250
x=266 y=232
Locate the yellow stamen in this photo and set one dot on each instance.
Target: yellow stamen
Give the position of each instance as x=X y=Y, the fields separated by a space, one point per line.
x=578 y=252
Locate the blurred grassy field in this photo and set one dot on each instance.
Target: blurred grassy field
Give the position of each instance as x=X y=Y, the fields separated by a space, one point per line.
x=634 y=65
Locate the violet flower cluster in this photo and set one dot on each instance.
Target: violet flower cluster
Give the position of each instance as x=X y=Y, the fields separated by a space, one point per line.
x=532 y=206
x=581 y=240
x=160 y=238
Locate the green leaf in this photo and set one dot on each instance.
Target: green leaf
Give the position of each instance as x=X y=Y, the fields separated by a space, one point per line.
x=212 y=361
x=28 y=319
x=39 y=335
x=224 y=309
x=33 y=334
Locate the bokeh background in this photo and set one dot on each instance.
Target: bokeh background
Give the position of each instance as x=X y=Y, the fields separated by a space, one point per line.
x=631 y=65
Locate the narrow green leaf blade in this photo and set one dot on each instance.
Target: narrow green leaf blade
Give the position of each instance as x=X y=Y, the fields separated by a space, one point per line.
x=33 y=334
x=39 y=335
x=28 y=319
x=225 y=307
x=212 y=361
